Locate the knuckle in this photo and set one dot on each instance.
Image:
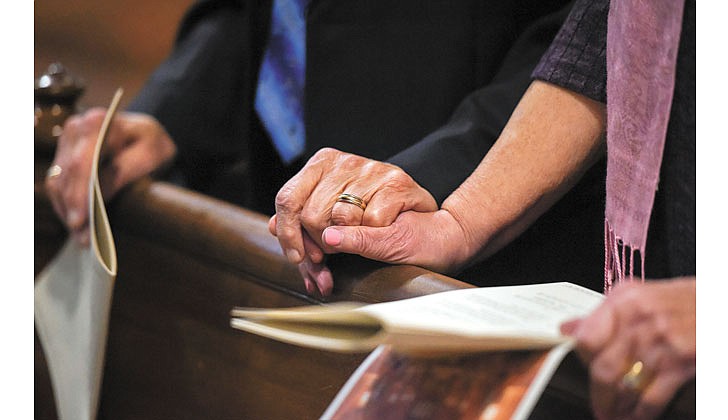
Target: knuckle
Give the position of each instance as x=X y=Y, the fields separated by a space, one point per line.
x=287 y=233
x=285 y=201
x=343 y=218
x=311 y=218
x=604 y=372
x=394 y=173
x=325 y=151
x=376 y=217
x=142 y=119
x=325 y=154
x=72 y=124
x=349 y=162
x=398 y=180
x=94 y=116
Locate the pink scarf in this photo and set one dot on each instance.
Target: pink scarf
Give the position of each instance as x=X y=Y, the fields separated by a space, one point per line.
x=642 y=43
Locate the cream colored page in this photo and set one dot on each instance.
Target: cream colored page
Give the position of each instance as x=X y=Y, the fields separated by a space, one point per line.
x=72 y=297
x=510 y=311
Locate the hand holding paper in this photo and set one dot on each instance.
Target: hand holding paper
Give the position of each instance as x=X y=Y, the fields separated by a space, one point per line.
x=72 y=300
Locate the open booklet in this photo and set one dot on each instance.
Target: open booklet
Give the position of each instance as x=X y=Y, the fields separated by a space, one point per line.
x=496 y=348
x=458 y=321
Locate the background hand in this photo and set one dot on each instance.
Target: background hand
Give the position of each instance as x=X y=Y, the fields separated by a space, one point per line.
x=136 y=145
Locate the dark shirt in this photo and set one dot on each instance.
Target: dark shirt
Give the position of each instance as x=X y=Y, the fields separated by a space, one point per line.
x=577 y=61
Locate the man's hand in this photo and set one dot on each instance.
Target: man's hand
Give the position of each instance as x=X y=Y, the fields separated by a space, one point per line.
x=136 y=146
x=307 y=203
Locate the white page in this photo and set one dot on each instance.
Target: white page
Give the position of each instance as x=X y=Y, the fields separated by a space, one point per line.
x=518 y=311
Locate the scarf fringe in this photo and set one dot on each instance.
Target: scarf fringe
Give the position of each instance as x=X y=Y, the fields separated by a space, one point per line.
x=619 y=259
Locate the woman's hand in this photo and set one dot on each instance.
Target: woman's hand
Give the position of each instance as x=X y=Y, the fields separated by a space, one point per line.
x=647 y=328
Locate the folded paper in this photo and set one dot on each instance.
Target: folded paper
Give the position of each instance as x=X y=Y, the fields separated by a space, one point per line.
x=73 y=297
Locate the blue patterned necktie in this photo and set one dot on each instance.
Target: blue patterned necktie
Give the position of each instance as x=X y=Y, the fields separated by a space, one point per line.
x=279 y=97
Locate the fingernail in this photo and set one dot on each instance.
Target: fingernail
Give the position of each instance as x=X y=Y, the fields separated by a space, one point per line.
x=293 y=256
x=333 y=237
x=309 y=286
x=73 y=219
x=569 y=327
x=325 y=281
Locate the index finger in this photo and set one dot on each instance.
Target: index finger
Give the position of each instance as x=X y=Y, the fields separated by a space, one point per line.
x=68 y=190
x=288 y=204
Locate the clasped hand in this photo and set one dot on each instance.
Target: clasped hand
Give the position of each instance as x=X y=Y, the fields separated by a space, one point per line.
x=310 y=222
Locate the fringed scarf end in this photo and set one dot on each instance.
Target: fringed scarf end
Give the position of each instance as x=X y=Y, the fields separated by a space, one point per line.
x=619 y=259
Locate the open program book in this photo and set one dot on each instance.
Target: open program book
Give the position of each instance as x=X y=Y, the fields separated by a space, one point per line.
x=497 y=349
x=458 y=321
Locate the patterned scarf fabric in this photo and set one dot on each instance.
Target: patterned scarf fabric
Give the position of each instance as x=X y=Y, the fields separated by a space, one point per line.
x=642 y=44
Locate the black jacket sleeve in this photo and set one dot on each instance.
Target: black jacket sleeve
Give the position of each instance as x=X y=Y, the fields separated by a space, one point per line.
x=445 y=158
x=202 y=92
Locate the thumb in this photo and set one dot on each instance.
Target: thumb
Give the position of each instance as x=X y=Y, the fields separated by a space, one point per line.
x=369 y=242
x=570 y=327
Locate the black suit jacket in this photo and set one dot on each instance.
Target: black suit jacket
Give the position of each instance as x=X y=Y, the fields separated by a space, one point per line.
x=425 y=84
x=380 y=76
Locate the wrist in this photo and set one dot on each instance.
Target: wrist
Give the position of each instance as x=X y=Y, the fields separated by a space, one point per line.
x=457 y=246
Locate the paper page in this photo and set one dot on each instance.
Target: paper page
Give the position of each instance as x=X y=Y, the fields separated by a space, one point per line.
x=510 y=311
x=72 y=301
x=458 y=321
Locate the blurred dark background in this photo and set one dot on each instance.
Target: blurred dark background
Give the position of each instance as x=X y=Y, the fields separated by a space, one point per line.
x=106 y=43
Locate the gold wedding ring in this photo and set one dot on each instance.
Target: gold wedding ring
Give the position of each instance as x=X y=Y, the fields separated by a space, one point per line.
x=352 y=199
x=636 y=377
x=54 y=171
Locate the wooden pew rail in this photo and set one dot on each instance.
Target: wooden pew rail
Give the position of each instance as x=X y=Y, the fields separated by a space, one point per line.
x=184 y=261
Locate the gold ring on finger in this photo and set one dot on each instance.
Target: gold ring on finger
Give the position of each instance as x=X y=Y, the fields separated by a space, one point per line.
x=352 y=199
x=54 y=171
x=636 y=377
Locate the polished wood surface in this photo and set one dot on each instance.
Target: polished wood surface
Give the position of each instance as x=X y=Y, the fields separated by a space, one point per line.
x=184 y=261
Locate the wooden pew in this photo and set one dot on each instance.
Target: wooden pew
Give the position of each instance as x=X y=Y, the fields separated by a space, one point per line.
x=184 y=261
